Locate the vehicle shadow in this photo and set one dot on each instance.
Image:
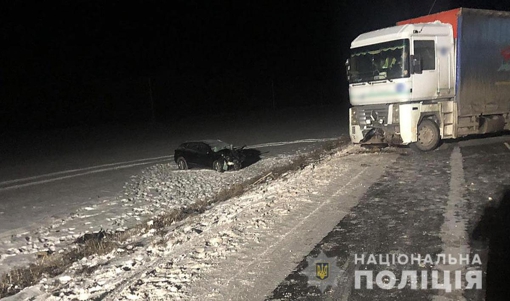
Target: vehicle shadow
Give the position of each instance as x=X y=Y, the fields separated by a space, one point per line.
x=252 y=156
x=494 y=229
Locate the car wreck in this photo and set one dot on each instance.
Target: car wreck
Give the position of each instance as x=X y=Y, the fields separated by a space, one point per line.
x=214 y=154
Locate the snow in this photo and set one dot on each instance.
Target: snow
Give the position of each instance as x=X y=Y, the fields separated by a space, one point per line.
x=169 y=267
x=64 y=279
x=158 y=189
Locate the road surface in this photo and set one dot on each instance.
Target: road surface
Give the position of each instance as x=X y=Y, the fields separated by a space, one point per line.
x=450 y=201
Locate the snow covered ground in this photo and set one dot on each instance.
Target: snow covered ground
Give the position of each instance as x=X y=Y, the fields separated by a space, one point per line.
x=47 y=174
x=218 y=255
x=159 y=189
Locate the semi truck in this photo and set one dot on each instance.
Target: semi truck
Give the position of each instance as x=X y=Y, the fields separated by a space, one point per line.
x=439 y=76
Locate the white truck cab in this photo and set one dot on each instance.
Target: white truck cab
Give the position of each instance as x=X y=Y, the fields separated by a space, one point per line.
x=403 y=83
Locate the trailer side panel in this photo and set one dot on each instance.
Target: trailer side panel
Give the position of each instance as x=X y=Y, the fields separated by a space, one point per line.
x=484 y=60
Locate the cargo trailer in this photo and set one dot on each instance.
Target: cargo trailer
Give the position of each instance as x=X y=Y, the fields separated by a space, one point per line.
x=440 y=76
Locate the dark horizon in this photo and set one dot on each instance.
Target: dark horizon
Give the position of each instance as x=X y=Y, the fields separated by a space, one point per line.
x=94 y=62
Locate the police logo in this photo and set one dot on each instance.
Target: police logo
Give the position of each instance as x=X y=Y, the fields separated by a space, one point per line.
x=322 y=270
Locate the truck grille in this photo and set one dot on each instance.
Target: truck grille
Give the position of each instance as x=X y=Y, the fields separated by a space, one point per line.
x=377 y=112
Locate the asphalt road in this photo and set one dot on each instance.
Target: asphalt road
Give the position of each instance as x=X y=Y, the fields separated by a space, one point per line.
x=51 y=173
x=449 y=201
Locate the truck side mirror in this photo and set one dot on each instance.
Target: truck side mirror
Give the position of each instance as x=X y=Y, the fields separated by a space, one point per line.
x=416 y=64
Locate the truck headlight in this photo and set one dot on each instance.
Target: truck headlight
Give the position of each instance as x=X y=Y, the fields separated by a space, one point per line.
x=354 y=116
x=395 y=114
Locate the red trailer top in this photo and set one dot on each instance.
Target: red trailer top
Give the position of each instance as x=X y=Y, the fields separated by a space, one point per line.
x=449 y=16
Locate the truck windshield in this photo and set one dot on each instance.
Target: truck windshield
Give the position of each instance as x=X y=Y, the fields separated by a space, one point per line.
x=388 y=60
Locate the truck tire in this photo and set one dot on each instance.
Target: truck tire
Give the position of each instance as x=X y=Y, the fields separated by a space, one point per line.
x=428 y=136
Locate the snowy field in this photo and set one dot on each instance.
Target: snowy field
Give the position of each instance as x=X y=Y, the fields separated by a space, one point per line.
x=159 y=189
x=48 y=174
x=57 y=187
x=176 y=265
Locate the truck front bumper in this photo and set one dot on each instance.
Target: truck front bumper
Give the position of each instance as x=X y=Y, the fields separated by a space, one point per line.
x=393 y=124
x=383 y=134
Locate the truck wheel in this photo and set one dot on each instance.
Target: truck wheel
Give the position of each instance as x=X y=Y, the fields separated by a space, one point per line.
x=218 y=166
x=428 y=136
x=182 y=164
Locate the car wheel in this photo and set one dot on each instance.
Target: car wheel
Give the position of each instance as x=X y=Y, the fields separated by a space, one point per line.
x=237 y=165
x=182 y=164
x=218 y=166
x=428 y=136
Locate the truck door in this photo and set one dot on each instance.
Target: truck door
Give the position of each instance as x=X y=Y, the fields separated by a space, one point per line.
x=444 y=51
x=425 y=84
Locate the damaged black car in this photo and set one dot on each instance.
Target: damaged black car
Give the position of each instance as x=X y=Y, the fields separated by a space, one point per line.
x=214 y=154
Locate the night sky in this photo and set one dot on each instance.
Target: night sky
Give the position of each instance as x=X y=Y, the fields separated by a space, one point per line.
x=76 y=63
